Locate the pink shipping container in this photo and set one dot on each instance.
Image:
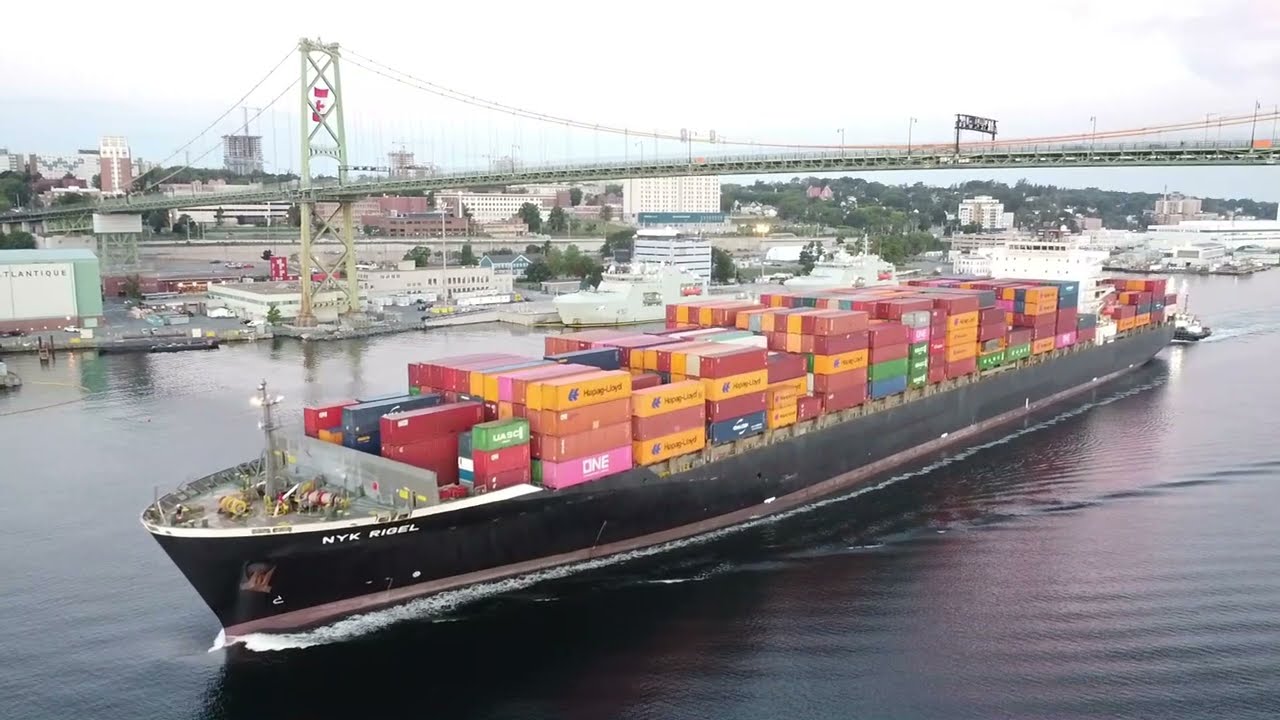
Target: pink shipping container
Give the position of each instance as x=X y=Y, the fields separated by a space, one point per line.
x=1065 y=340
x=558 y=475
x=917 y=335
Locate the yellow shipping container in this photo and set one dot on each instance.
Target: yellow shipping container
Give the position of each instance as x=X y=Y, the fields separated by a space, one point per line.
x=962 y=336
x=743 y=320
x=648 y=452
x=1143 y=319
x=801 y=384
x=963 y=320
x=781 y=395
x=667 y=398
x=505 y=410
x=781 y=417
x=835 y=364
x=792 y=344
x=573 y=391
x=1125 y=324
x=682 y=314
x=735 y=385
x=963 y=351
x=330 y=436
x=704 y=317
x=1042 y=345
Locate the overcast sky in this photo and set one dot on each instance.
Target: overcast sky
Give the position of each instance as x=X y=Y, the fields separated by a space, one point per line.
x=793 y=72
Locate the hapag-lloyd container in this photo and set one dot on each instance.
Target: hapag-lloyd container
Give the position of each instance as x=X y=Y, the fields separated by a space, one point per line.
x=666 y=398
x=724 y=361
x=415 y=425
x=647 y=428
x=577 y=420
x=513 y=386
x=731 y=387
x=567 y=473
x=648 y=452
x=563 y=393
x=565 y=447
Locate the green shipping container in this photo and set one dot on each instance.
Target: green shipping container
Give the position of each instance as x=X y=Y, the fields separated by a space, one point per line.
x=919 y=351
x=1017 y=352
x=808 y=362
x=918 y=380
x=414 y=390
x=990 y=360
x=500 y=434
x=887 y=369
x=535 y=471
x=918 y=365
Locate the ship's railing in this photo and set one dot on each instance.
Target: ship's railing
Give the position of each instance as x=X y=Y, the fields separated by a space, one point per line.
x=163 y=510
x=388 y=483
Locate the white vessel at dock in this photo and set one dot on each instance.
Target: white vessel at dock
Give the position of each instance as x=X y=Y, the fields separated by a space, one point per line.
x=844 y=269
x=628 y=295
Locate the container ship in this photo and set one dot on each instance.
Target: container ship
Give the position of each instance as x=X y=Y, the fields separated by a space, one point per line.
x=492 y=465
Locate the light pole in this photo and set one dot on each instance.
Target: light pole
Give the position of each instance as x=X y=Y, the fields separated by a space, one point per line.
x=1206 y=127
x=911 y=123
x=841 y=131
x=1093 y=132
x=640 y=145
x=1253 y=129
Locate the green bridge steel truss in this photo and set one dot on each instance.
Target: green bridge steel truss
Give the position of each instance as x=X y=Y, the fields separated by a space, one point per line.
x=924 y=158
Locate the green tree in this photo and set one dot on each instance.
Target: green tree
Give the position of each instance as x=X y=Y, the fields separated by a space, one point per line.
x=532 y=217
x=431 y=200
x=420 y=256
x=532 y=249
x=557 y=220
x=575 y=197
x=219 y=216
x=606 y=212
x=183 y=224
x=538 y=271
x=613 y=189
x=294 y=215
x=546 y=248
x=723 y=268
x=808 y=258
x=273 y=315
x=617 y=240
x=72 y=198
x=132 y=287
x=17 y=240
x=467 y=257
x=97 y=181
x=158 y=220
x=970 y=228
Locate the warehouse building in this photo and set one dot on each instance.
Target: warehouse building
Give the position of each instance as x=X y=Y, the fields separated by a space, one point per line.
x=252 y=301
x=49 y=289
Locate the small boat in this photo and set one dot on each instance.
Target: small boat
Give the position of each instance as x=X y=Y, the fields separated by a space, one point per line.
x=1187 y=328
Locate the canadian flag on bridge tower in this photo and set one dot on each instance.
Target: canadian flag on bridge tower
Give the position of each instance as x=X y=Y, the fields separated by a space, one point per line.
x=321 y=94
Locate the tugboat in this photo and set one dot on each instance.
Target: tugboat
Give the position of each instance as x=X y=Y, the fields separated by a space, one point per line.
x=1187 y=328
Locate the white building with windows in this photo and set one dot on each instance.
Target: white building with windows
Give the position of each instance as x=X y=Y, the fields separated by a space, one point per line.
x=986 y=212
x=695 y=194
x=432 y=283
x=252 y=301
x=664 y=245
x=496 y=207
x=1229 y=233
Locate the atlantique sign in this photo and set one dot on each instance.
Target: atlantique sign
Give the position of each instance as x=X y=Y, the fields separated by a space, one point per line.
x=35 y=273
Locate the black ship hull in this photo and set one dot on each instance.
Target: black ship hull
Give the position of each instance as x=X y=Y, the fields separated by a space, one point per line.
x=304 y=577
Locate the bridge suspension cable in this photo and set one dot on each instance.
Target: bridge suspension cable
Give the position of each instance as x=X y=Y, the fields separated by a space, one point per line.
x=427 y=86
x=222 y=117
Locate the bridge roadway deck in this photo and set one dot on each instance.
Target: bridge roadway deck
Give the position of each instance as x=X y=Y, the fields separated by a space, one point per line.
x=923 y=158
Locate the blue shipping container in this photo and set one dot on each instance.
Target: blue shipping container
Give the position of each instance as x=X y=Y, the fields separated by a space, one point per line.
x=735 y=428
x=370 y=443
x=603 y=358
x=362 y=418
x=466 y=477
x=887 y=386
x=382 y=396
x=1085 y=321
x=464 y=445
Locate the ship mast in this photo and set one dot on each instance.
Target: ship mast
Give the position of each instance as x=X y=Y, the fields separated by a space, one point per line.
x=268 y=426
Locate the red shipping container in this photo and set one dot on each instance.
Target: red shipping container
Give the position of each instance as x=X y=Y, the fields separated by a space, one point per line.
x=1020 y=336
x=991 y=331
x=938 y=343
x=808 y=407
x=844 y=398
x=957 y=304
x=1070 y=317
x=458 y=377
x=505 y=479
x=840 y=322
x=887 y=333
x=558 y=449
x=654 y=426
x=733 y=360
x=645 y=380
x=578 y=419
x=1043 y=331
x=839 y=344
x=990 y=316
x=490 y=411
x=958 y=368
x=938 y=318
x=737 y=407
x=884 y=353
x=416 y=425
x=893 y=309
x=323 y=417
x=782 y=366
x=1086 y=335
x=432 y=373
x=839 y=381
x=937 y=371
x=440 y=455
x=495 y=461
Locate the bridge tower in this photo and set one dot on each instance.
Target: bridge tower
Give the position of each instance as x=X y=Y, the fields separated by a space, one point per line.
x=327 y=226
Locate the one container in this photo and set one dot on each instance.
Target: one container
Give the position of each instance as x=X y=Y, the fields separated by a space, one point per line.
x=666 y=398
x=648 y=452
x=323 y=417
x=737 y=428
x=498 y=434
x=655 y=426
x=415 y=425
x=560 y=475
x=558 y=448
x=582 y=419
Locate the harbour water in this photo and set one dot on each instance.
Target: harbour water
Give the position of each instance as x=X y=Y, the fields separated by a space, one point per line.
x=1111 y=560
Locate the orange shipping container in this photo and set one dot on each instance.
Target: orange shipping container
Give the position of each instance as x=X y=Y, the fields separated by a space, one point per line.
x=567 y=447
x=962 y=320
x=779 y=397
x=735 y=385
x=1126 y=324
x=743 y=320
x=667 y=398
x=1042 y=345
x=968 y=350
x=506 y=410
x=579 y=420
x=648 y=452
x=563 y=393
x=962 y=336
x=782 y=416
x=832 y=364
x=1143 y=319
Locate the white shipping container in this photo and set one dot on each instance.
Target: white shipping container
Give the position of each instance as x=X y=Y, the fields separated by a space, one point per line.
x=484 y=300
x=755 y=341
x=116 y=223
x=37 y=290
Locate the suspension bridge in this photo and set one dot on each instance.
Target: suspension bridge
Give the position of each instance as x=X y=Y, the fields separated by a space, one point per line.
x=117 y=221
